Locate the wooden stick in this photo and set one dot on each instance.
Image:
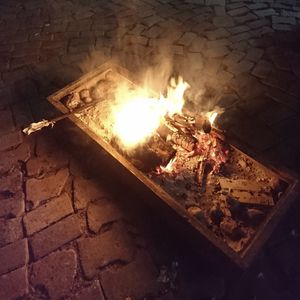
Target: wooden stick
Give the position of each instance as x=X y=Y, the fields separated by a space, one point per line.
x=45 y=123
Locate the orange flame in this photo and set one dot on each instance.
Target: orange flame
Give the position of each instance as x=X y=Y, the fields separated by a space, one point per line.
x=137 y=116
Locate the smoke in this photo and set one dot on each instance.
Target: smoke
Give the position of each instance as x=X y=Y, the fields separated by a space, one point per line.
x=149 y=51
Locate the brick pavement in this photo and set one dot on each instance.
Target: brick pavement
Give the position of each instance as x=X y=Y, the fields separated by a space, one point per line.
x=64 y=232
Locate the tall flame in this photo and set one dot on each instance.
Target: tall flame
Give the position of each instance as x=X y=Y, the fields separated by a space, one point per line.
x=212 y=115
x=137 y=116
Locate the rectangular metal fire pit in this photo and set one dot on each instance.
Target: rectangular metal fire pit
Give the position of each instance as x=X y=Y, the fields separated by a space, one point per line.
x=272 y=211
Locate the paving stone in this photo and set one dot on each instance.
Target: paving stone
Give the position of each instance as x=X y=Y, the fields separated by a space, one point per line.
x=217 y=43
x=258 y=23
x=288 y=13
x=240 y=37
x=262 y=69
x=93 y=292
x=55 y=273
x=27 y=48
x=281 y=61
x=282 y=27
x=6 y=121
x=257 y=6
x=294 y=88
x=235 y=5
x=22 y=114
x=215 y=2
x=286 y=128
x=13 y=256
x=282 y=97
x=253 y=106
x=246 y=18
x=100 y=213
x=279 y=79
x=11 y=230
x=274 y=113
x=246 y=131
x=238 y=29
x=154 y=32
x=242 y=83
x=14 y=285
x=152 y=20
x=254 y=54
x=6 y=96
x=135 y=280
x=9 y=159
x=137 y=29
x=135 y=39
x=195 y=1
x=296 y=65
x=104 y=249
x=265 y=12
x=86 y=191
x=227 y=100
x=19 y=62
x=39 y=166
x=11 y=140
x=10 y=184
x=282 y=253
x=223 y=21
x=217 y=34
x=219 y=10
x=198 y=45
x=46 y=188
x=283 y=20
x=217 y=52
x=55 y=236
x=243 y=66
x=233 y=58
x=211 y=67
x=46 y=214
x=238 y=11
x=224 y=76
x=187 y=39
x=12 y=205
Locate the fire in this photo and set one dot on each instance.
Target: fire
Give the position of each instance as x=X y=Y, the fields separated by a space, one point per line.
x=138 y=116
x=169 y=167
x=212 y=115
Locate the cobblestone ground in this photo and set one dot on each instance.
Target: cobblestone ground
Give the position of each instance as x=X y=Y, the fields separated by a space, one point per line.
x=66 y=231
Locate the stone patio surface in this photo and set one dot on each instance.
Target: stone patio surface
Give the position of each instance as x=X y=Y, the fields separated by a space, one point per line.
x=69 y=229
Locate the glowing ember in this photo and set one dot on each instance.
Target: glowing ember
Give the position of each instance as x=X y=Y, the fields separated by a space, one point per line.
x=137 y=116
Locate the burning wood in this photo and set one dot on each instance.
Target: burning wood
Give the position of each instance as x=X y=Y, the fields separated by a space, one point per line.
x=184 y=141
x=259 y=198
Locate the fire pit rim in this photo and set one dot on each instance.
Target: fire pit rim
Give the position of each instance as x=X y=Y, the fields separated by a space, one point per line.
x=244 y=258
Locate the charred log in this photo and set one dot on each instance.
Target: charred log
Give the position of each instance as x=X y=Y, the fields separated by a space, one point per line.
x=185 y=141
